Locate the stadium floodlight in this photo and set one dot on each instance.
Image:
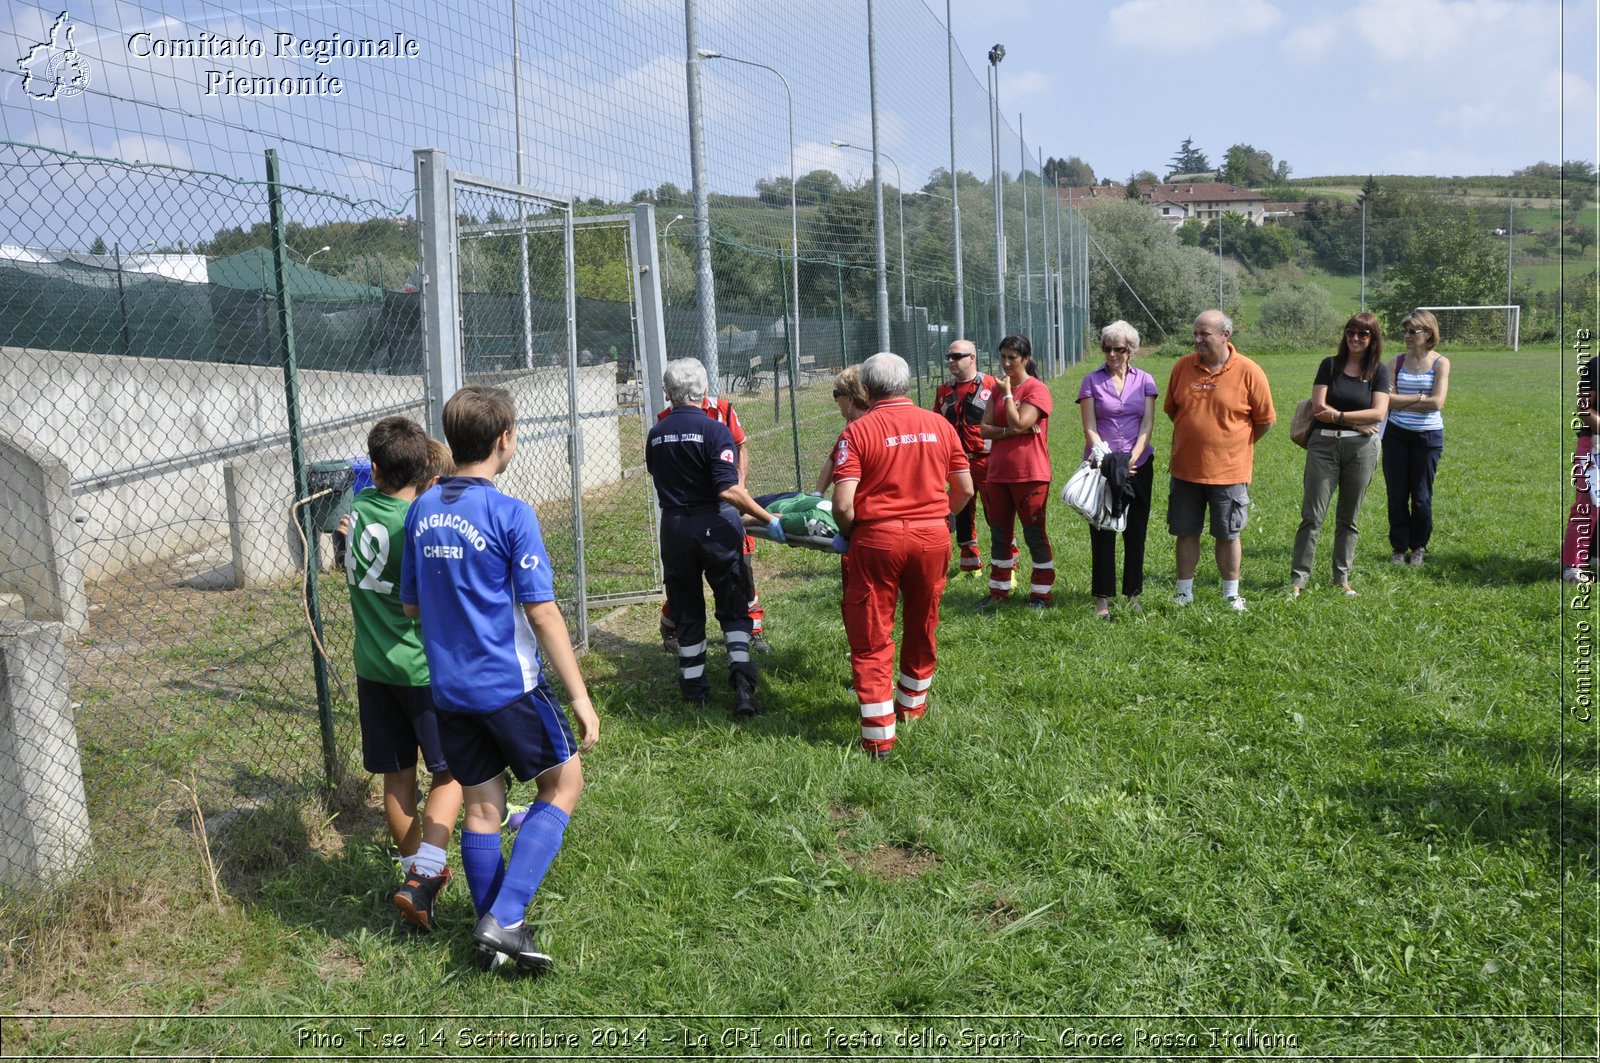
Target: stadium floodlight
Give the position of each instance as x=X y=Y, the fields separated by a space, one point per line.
x=1513 y=313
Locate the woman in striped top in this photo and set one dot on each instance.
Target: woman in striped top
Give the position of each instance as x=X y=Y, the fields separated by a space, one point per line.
x=1414 y=439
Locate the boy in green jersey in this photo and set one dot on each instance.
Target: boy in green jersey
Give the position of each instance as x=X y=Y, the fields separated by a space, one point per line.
x=397 y=714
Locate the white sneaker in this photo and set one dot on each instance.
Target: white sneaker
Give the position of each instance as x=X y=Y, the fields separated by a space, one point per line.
x=1183 y=598
x=1236 y=603
x=1415 y=557
x=1397 y=558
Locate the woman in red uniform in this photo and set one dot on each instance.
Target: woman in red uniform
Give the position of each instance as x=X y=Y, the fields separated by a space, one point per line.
x=1018 y=482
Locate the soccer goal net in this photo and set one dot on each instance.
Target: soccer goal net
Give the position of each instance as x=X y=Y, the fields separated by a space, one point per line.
x=1479 y=326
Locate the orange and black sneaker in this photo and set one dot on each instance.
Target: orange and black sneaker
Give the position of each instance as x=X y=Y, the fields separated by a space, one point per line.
x=416 y=895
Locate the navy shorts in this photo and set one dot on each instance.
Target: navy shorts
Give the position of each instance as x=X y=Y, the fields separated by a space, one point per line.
x=394 y=722
x=530 y=736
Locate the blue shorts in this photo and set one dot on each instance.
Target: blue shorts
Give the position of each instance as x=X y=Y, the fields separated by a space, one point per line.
x=394 y=722
x=530 y=736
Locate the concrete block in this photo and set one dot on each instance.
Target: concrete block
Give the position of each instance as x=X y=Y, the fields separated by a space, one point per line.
x=45 y=834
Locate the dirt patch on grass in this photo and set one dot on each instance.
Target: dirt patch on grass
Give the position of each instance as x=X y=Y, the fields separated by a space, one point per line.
x=1000 y=912
x=893 y=862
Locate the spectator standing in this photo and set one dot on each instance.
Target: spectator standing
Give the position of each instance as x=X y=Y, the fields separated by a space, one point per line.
x=900 y=473
x=1349 y=400
x=1118 y=404
x=1413 y=440
x=1220 y=403
x=1018 y=477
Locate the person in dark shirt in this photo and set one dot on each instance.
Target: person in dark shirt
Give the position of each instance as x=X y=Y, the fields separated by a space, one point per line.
x=1349 y=400
x=695 y=465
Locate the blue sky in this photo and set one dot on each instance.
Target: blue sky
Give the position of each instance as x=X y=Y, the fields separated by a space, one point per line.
x=1333 y=86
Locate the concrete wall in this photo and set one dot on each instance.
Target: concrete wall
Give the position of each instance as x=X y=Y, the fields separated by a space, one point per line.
x=42 y=563
x=145 y=443
x=45 y=832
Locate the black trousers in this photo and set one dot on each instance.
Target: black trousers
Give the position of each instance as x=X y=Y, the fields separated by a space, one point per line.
x=706 y=543
x=1103 y=544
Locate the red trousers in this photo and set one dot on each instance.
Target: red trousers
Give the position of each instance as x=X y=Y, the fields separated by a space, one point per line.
x=894 y=561
x=967 y=519
x=1004 y=505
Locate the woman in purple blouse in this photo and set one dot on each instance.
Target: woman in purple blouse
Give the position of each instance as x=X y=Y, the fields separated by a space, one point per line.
x=1119 y=408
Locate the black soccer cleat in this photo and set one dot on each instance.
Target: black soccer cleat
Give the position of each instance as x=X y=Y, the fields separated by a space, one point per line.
x=416 y=896
x=492 y=940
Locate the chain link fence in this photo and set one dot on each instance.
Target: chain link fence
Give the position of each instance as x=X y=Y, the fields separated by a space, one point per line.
x=157 y=596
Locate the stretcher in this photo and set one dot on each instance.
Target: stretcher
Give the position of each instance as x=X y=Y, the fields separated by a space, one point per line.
x=804 y=542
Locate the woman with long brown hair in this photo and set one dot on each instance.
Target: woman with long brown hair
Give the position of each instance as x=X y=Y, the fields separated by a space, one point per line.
x=1349 y=400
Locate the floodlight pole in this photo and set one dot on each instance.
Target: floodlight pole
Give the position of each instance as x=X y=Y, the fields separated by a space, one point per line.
x=704 y=283
x=955 y=199
x=997 y=53
x=794 y=251
x=880 y=254
x=905 y=314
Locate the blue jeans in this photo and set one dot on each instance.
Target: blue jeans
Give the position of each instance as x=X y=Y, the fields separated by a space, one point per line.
x=1410 y=460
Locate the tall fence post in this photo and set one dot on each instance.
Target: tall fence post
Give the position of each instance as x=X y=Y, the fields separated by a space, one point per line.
x=647 y=295
x=436 y=220
x=297 y=458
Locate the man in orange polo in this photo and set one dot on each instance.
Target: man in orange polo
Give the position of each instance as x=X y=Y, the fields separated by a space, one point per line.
x=1220 y=404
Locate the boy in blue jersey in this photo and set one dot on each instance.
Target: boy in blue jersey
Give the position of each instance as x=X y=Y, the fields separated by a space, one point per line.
x=397 y=716
x=476 y=572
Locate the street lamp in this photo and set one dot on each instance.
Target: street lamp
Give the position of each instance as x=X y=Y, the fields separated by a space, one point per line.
x=997 y=53
x=667 y=290
x=794 y=243
x=900 y=193
x=305 y=259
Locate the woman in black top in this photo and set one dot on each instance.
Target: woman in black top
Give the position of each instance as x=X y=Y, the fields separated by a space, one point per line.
x=1349 y=400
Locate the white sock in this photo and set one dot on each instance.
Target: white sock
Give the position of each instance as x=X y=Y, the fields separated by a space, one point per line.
x=1230 y=588
x=406 y=862
x=429 y=861
x=1186 y=586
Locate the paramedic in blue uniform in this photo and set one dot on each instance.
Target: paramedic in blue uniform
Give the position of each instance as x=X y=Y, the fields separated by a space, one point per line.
x=695 y=465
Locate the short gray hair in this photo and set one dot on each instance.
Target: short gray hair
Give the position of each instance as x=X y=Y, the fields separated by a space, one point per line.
x=684 y=381
x=1122 y=334
x=1222 y=319
x=885 y=375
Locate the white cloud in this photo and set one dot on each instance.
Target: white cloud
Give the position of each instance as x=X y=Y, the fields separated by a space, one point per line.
x=1312 y=40
x=1187 y=25
x=1445 y=32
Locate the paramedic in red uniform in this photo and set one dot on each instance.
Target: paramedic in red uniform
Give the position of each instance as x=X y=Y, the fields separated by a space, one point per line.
x=891 y=469
x=962 y=400
x=720 y=409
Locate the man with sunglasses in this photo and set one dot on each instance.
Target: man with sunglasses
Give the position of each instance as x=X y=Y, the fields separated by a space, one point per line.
x=1220 y=403
x=962 y=400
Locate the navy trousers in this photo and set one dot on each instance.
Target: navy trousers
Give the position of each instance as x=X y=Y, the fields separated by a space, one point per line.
x=706 y=543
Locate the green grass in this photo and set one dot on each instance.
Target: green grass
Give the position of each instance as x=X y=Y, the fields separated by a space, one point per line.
x=1325 y=812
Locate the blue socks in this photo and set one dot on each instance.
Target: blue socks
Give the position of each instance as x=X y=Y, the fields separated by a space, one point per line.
x=485 y=868
x=531 y=856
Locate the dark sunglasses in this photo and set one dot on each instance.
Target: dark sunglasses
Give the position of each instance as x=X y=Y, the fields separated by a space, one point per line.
x=957 y=357
x=1116 y=350
x=841 y=394
x=1353 y=332
x=1416 y=332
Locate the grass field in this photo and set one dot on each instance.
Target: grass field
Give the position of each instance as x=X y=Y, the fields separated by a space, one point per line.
x=1327 y=827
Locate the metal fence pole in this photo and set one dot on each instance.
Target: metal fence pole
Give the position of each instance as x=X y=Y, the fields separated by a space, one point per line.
x=297 y=458
x=436 y=220
x=648 y=280
x=575 y=429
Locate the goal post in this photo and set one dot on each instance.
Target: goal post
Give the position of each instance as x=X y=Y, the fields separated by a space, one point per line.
x=1513 y=319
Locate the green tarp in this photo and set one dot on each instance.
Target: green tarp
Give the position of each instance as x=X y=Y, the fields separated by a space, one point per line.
x=251 y=271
